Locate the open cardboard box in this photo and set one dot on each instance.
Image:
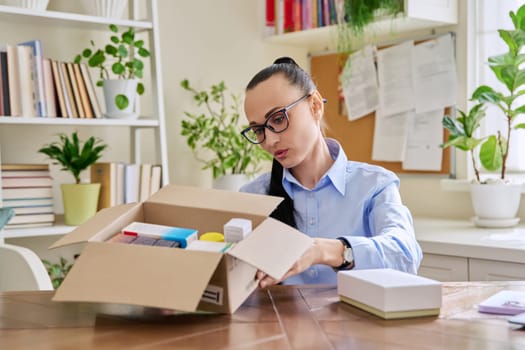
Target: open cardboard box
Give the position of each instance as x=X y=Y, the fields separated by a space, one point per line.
x=175 y=278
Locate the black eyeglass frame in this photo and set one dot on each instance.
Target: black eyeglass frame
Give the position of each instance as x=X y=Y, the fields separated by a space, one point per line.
x=265 y=125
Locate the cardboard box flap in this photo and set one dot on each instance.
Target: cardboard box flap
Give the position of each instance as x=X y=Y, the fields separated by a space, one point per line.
x=97 y=276
x=104 y=222
x=195 y=197
x=272 y=247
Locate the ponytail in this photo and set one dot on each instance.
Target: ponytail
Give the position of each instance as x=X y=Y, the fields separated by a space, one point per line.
x=285 y=210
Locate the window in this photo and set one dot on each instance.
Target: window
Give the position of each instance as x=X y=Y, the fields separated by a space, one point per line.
x=490 y=16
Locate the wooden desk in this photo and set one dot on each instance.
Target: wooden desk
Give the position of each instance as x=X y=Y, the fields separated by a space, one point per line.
x=302 y=317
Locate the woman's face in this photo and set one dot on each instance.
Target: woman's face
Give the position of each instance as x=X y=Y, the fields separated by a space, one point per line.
x=293 y=145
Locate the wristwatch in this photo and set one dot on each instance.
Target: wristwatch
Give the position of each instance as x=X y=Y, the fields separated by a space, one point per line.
x=348 y=256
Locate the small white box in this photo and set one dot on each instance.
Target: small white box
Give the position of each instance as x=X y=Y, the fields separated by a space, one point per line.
x=389 y=293
x=237 y=229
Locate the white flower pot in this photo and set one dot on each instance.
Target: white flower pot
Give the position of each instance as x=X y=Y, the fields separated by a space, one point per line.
x=114 y=87
x=230 y=182
x=496 y=205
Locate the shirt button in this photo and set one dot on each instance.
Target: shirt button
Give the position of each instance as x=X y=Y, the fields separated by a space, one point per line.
x=312 y=273
x=312 y=221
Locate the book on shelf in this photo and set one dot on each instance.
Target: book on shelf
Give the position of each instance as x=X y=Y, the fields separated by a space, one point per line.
x=32 y=181
x=131 y=183
x=59 y=89
x=119 y=184
x=105 y=173
x=145 y=182
x=156 y=178
x=27 y=202
x=31 y=219
x=14 y=80
x=69 y=99
x=504 y=302
x=77 y=100
x=28 y=225
x=28 y=97
x=84 y=97
x=49 y=89
x=4 y=83
x=25 y=193
x=37 y=74
x=38 y=209
x=24 y=167
x=90 y=88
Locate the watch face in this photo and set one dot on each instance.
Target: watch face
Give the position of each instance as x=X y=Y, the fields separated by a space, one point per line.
x=348 y=255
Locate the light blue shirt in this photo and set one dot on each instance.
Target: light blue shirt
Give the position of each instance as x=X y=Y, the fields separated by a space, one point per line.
x=355 y=200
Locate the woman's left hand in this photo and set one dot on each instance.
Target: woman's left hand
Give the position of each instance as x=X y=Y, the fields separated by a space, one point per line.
x=316 y=254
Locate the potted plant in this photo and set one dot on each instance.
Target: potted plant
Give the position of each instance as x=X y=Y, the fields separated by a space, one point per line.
x=120 y=58
x=502 y=197
x=214 y=138
x=80 y=199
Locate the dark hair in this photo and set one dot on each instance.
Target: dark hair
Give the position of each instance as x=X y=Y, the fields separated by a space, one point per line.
x=285 y=210
x=296 y=76
x=290 y=69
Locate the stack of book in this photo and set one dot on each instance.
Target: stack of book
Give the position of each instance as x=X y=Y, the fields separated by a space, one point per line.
x=125 y=183
x=27 y=188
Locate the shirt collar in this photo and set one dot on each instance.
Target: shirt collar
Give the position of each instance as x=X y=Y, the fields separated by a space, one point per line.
x=336 y=175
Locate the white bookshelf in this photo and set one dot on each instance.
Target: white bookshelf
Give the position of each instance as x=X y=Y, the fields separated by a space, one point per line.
x=143 y=16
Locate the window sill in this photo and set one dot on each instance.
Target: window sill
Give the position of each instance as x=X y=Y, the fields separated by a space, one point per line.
x=463 y=185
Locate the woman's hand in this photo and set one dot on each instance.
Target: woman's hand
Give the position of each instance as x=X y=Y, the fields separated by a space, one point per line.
x=322 y=251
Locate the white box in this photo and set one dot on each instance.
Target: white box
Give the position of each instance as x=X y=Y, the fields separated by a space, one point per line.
x=389 y=293
x=237 y=229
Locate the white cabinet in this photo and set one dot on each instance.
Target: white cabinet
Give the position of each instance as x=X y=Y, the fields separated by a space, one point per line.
x=490 y=270
x=418 y=15
x=47 y=25
x=444 y=268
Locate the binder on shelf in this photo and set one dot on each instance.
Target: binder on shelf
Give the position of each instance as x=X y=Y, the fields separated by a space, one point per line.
x=131 y=183
x=145 y=181
x=156 y=172
x=69 y=98
x=4 y=84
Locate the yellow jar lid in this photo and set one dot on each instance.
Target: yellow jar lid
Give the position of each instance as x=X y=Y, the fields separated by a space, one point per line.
x=212 y=237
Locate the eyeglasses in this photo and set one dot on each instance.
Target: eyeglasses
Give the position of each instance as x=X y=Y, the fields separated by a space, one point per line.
x=276 y=122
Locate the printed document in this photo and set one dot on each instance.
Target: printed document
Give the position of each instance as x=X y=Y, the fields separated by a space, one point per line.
x=389 y=137
x=424 y=135
x=435 y=81
x=359 y=80
x=394 y=69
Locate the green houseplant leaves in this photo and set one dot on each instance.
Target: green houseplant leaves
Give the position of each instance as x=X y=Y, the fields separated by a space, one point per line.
x=508 y=69
x=213 y=133
x=125 y=52
x=72 y=155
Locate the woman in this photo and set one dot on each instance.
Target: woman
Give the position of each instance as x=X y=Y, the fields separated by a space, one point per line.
x=352 y=210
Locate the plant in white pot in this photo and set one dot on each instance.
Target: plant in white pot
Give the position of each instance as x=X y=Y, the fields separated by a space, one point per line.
x=80 y=199
x=213 y=135
x=120 y=59
x=495 y=201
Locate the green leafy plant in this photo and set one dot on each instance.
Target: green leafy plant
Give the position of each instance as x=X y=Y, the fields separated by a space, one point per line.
x=357 y=14
x=508 y=69
x=74 y=156
x=125 y=52
x=57 y=271
x=215 y=131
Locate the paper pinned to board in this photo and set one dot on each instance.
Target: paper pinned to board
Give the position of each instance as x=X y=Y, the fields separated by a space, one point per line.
x=390 y=136
x=394 y=70
x=359 y=81
x=434 y=69
x=424 y=136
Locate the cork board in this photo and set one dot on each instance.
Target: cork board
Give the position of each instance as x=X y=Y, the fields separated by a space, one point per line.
x=356 y=137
